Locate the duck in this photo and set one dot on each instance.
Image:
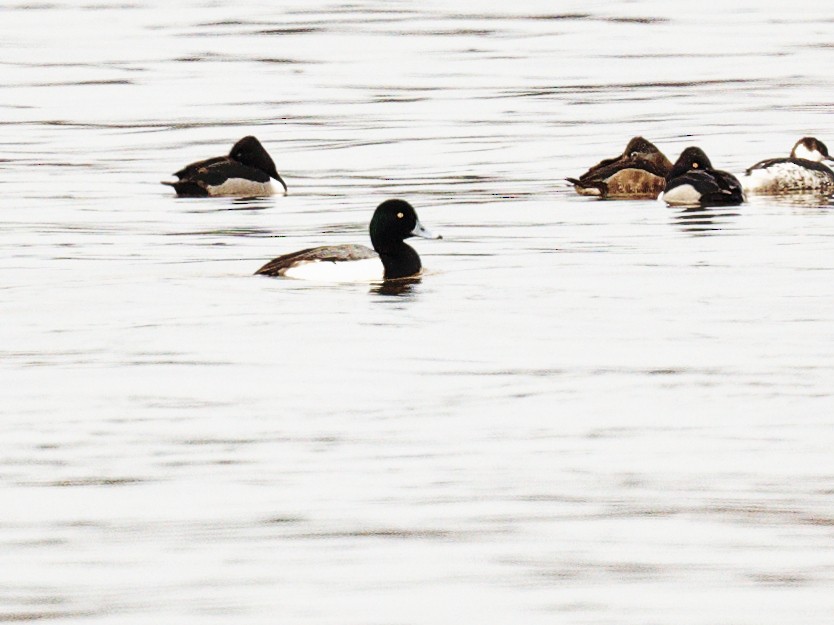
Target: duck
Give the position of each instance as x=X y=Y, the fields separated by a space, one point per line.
x=391 y=258
x=802 y=172
x=245 y=172
x=638 y=173
x=694 y=182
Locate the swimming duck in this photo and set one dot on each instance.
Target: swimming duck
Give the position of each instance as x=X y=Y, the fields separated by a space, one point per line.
x=802 y=172
x=392 y=223
x=693 y=182
x=638 y=173
x=244 y=172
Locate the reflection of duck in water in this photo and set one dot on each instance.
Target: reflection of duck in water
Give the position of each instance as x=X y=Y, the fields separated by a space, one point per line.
x=802 y=172
x=698 y=220
x=245 y=172
x=391 y=259
x=693 y=182
x=638 y=173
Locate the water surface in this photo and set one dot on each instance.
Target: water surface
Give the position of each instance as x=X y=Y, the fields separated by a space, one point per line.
x=586 y=412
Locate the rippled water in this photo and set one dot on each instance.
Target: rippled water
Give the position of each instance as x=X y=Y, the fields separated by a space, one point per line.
x=586 y=412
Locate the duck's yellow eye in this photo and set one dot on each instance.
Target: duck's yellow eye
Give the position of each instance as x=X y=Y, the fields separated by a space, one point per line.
x=400 y=215
x=694 y=165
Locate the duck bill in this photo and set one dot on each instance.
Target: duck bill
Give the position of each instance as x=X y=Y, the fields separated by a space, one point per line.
x=421 y=231
x=277 y=177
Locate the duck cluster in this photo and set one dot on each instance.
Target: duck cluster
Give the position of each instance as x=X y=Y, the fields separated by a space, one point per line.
x=247 y=171
x=640 y=172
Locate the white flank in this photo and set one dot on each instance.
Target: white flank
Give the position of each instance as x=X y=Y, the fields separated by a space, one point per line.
x=365 y=270
x=786 y=178
x=242 y=188
x=684 y=195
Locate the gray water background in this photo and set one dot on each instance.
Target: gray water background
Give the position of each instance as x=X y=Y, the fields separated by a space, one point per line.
x=586 y=412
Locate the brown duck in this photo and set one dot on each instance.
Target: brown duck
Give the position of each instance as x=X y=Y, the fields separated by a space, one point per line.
x=638 y=173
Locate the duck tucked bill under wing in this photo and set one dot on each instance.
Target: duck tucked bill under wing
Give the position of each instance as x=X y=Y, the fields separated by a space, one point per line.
x=639 y=172
x=223 y=177
x=788 y=175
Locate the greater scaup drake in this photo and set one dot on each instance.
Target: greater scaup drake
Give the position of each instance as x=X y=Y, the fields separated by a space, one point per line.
x=245 y=172
x=391 y=258
x=802 y=172
x=638 y=173
x=694 y=182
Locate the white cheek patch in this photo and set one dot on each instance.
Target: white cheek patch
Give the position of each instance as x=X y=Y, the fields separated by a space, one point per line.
x=684 y=195
x=809 y=155
x=242 y=188
x=365 y=270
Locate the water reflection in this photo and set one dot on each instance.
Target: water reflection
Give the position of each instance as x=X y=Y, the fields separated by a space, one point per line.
x=224 y=204
x=199 y=444
x=701 y=221
x=396 y=288
x=809 y=200
x=250 y=203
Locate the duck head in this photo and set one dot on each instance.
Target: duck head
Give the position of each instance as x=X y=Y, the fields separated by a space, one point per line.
x=639 y=146
x=249 y=151
x=393 y=222
x=691 y=158
x=811 y=149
